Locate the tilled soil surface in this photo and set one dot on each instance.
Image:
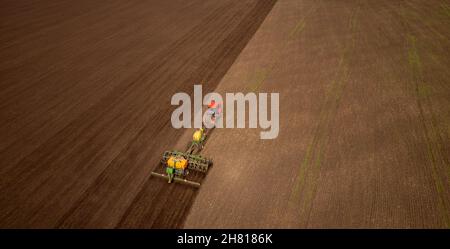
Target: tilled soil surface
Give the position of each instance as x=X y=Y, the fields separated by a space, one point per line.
x=364 y=121
x=85 y=103
x=364 y=138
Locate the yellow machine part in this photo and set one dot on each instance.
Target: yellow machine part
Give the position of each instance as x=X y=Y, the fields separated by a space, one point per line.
x=197 y=135
x=177 y=162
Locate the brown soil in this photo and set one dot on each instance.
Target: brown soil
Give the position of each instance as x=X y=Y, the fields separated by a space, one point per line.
x=364 y=121
x=364 y=136
x=85 y=110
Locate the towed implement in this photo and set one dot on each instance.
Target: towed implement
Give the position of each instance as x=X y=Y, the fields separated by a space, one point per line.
x=177 y=164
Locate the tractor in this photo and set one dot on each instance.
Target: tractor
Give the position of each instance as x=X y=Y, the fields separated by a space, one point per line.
x=177 y=163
